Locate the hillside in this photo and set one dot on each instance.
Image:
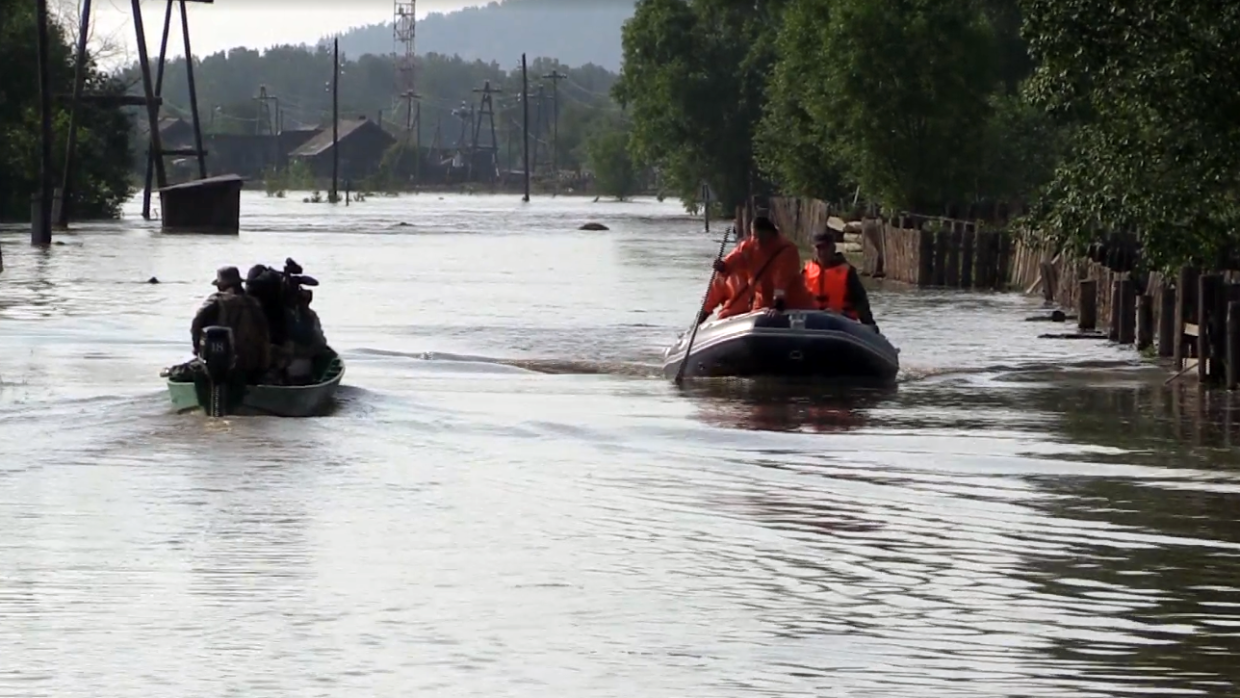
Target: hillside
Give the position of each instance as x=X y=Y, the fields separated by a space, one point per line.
x=574 y=33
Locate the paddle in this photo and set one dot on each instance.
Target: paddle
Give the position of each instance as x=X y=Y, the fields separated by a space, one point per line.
x=680 y=371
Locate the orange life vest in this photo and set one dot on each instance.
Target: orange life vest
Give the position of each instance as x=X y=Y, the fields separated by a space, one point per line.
x=829 y=287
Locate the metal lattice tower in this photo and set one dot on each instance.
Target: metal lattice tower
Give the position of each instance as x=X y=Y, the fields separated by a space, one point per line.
x=404 y=26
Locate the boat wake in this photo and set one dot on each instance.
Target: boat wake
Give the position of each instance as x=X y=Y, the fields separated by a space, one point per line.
x=487 y=364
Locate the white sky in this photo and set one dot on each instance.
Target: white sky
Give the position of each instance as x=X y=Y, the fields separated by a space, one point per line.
x=250 y=23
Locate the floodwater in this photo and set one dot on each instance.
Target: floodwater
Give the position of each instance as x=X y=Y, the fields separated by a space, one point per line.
x=509 y=500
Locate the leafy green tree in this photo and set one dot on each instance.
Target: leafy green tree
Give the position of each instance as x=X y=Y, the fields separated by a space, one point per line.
x=99 y=180
x=613 y=167
x=1149 y=100
x=904 y=96
x=794 y=147
x=693 y=83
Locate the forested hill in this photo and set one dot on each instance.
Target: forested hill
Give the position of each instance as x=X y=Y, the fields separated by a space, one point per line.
x=575 y=33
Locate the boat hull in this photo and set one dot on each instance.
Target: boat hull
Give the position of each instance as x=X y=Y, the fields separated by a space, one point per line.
x=270 y=400
x=811 y=344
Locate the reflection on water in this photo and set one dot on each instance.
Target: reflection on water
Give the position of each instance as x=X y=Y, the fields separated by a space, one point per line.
x=783 y=405
x=510 y=500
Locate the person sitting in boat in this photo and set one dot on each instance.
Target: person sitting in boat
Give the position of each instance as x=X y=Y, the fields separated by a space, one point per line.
x=770 y=267
x=835 y=284
x=730 y=294
x=306 y=340
x=267 y=285
x=230 y=306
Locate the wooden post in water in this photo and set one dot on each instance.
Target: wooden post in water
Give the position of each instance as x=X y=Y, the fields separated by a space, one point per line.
x=1087 y=305
x=966 y=255
x=1127 y=311
x=1166 y=323
x=1145 y=322
x=942 y=237
x=1113 y=325
x=1233 y=344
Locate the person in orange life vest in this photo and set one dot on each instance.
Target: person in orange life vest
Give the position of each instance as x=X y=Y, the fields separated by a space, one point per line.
x=834 y=283
x=728 y=291
x=770 y=267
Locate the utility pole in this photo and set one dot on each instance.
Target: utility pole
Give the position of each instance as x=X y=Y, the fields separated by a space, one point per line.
x=265 y=118
x=486 y=108
x=151 y=155
x=41 y=234
x=540 y=122
x=193 y=94
x=555 y=77
x=79 y=83
x=417 y=144
x=525 y=126
x=335 y=120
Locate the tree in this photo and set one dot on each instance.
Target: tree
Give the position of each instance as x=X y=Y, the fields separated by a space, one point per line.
x=904 y=96
x=1148 y=97
x=794 y=147
x=613 y=167
x=100 y=180
x=693 y=83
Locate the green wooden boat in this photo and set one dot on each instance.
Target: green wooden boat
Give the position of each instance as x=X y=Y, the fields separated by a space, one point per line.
x=270 y=400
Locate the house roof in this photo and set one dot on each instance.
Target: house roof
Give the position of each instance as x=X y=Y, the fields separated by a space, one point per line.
x=165 y=123
x=322 y=142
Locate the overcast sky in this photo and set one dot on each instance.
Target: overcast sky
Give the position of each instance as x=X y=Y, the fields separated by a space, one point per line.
x=250 y=23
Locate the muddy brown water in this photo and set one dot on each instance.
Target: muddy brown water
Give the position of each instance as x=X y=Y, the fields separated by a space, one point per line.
x=509 y=500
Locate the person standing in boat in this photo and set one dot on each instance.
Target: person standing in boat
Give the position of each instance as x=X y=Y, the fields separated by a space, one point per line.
x=769 y=266
x=835 y=284
x=230 y=306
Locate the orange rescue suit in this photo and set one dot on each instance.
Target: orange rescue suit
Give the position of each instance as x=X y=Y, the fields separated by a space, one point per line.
x=730 y=291
x=768 y=271
x=829 y=287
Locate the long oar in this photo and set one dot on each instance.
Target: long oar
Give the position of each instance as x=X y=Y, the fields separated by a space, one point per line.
x=680 y=371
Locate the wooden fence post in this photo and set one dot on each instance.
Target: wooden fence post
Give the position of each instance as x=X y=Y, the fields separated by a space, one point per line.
x=966 y=255
x=954 y=238
x=1233 y=344
x=1113 y=325
x=941 y=240
x=1127 y=311
x=1047 y=271
x=1087 y=305
x=925 y=257
x=1209 y=293
x=1166 y=323
x=1186 y=294
x=1003 y=260
x=1145 y=322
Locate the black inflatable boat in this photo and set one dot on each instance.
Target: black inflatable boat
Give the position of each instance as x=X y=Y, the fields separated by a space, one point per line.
x=809 y=343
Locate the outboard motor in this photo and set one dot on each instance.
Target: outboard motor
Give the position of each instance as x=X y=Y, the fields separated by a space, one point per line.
x=219 y=356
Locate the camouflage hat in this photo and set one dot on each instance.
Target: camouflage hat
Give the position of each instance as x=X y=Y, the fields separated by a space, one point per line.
x=227 y=277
